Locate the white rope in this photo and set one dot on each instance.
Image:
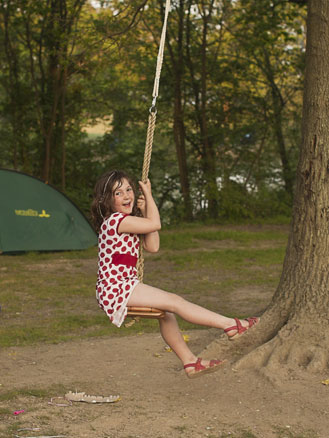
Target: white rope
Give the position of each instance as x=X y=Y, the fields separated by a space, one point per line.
x=160 y=54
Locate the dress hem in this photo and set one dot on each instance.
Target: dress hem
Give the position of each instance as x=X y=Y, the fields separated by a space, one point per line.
x=120 y=315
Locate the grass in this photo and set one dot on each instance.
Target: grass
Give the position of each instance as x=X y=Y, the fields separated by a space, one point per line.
x=228 y=258
x=180 y=429
x=50 y=297
x=285 y=432
x=279 y=432
x=44 y=393
x=180 y=240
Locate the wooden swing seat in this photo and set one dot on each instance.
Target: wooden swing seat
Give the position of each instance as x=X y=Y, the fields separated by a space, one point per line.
x=145 y=312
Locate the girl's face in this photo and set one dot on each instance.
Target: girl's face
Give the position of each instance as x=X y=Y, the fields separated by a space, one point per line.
x=123 y=197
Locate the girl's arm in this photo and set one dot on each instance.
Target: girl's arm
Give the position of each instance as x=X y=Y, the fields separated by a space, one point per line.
x=147 y=225
x=151 y=241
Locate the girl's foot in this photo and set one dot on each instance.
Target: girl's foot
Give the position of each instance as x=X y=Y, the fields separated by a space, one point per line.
x=241 y=327
x=201 y=366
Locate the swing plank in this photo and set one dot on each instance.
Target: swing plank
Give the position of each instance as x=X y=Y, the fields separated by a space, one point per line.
x=145 y=312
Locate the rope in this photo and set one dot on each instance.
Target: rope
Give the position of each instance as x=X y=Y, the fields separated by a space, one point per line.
x=160 y=53
x=151 y=127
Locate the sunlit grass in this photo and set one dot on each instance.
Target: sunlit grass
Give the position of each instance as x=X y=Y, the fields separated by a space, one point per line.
x=179 y=239
x=50 y=297
x=228 y=258
x=51 y=391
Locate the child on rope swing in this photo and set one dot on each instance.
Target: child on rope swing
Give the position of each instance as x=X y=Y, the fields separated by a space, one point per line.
x=114 y=210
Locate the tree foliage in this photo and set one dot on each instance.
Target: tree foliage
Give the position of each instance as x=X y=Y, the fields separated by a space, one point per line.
x=227 y=132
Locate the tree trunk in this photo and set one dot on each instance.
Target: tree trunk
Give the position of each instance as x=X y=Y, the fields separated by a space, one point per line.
x=200 y=89
x=209 y=158
x=281 y=145
x=292 y=334
x=62 y=124
x=179 y=127
x=179 y=136
x=14 y=92
x=48 y=48
x=278 y=106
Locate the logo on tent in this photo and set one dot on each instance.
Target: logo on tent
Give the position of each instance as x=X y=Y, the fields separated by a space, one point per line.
x=44 y=214
x=32 y=213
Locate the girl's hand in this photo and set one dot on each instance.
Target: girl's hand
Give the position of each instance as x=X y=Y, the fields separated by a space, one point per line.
x=141 y=204
x=146 y=187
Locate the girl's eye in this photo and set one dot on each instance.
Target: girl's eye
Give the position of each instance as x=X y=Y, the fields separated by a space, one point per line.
x=117 y=193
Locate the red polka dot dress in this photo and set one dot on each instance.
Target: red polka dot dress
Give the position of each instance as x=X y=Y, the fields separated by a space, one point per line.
x=117 y=273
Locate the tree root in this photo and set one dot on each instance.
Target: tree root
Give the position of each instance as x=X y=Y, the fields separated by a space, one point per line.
x=292 y=351
x=277 y=349
x=256 y=336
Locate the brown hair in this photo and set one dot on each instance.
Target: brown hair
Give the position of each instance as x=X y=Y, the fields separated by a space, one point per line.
x=102 y=204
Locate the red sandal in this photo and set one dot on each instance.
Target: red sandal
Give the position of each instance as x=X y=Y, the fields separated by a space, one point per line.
x=239 y=327
x=200 y=369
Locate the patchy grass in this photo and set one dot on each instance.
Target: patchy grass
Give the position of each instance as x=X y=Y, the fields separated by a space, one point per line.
x=287 y=432
x=43 y=393
x=178 y=239
x=277 y=432
x=227 y=258
x=50 y=297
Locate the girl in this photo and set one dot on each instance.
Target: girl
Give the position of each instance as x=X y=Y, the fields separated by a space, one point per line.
x=114 y=212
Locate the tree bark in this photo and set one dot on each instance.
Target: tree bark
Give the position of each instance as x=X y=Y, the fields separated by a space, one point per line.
x=62 y=124
x=306 y=262
x=200 y=90
x=179 y=126
x=278 y=106
x=13 y=90
x=292 y=334
x=209 y=153
x=50 y=46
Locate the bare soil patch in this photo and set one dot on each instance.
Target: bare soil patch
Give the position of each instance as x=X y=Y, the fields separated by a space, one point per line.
x=157 y=400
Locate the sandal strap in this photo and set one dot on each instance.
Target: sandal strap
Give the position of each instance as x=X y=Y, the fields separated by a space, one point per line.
x=252 y=320
x=196 y=365
x=215 y=362
x=199 y=367
x=238 y=327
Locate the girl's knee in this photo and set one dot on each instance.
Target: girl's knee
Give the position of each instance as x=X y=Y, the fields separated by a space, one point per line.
x=176 y=302
x=169 y=320
x=168 y=316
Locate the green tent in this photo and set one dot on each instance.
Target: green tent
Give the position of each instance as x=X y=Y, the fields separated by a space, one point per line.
x=34 y=216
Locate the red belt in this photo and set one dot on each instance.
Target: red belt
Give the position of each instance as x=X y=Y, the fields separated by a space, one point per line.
x=124 y=259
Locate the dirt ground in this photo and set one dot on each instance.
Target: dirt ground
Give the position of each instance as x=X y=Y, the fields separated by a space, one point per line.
x=156 y=399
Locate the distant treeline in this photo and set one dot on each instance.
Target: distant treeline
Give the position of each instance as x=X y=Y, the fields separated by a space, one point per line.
x=229 y=111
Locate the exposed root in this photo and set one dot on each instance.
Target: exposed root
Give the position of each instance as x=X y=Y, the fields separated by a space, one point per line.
x=293 y=351
x=257 y=358
x=315 y=360
x=276 y=348
x=258 y=335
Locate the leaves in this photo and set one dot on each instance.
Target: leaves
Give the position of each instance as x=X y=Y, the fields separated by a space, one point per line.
x=231 y=87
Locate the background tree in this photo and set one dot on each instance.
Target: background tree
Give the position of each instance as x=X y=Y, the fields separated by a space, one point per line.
x=270 y=38
x=67 y=65
x=175 y=44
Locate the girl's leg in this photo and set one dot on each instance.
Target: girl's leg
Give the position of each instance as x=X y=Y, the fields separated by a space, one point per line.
x=148 y=296
x=173 y=337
